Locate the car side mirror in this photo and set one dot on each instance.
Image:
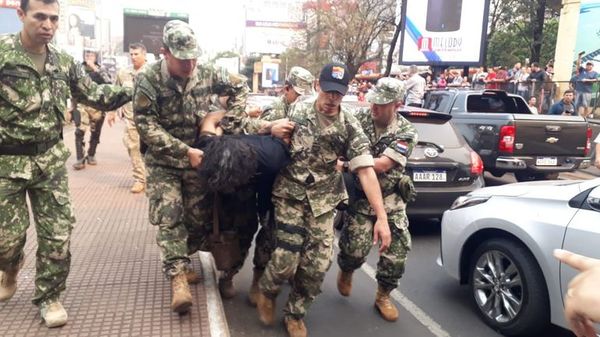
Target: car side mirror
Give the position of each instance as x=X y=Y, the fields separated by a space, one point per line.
x=594 y=203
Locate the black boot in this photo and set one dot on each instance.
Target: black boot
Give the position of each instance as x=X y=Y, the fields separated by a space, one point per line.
x=96 y=130
x=79 y=145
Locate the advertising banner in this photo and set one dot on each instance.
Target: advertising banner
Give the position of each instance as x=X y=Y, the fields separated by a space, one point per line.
x=588 y=33
x=443 y=32
x=270 y=75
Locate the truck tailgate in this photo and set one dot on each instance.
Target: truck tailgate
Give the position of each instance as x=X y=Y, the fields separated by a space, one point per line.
x=550 y=135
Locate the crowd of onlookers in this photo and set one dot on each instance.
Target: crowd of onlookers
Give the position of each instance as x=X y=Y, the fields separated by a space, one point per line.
x=536 y=84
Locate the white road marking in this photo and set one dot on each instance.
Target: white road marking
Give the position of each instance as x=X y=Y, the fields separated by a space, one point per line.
x=434 y=327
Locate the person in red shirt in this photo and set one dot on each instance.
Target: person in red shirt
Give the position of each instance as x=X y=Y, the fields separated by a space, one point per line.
x=490 y=82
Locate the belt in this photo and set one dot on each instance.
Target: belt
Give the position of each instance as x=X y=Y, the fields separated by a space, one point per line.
x=31 y=149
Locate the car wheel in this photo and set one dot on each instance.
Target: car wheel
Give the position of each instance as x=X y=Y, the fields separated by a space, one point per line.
x=508 y=288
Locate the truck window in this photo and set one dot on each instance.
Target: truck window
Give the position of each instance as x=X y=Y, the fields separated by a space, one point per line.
x=438 y=102
x=496 y=104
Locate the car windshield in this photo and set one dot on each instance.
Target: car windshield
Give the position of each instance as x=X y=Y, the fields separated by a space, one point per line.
x=438 y=101
x=499 y=104
x=437 y=131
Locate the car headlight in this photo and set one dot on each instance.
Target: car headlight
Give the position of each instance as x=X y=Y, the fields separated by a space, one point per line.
x=468 y=201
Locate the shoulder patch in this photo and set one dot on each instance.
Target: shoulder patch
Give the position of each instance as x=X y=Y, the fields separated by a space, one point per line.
x=401 y=146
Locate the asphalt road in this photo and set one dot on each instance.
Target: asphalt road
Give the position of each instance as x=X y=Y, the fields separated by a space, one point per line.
x=431 y=303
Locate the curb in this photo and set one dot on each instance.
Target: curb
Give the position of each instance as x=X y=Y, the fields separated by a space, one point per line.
x=217 y=321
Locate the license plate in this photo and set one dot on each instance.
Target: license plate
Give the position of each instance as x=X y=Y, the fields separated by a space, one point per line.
x=429 y=176
x=546 y=161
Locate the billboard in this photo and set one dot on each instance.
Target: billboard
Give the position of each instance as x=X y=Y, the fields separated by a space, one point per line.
x=270 y=75
x=444 y=32
x=146 y=26
x=588 y=32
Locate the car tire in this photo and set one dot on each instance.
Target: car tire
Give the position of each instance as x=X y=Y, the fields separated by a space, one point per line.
x=521 y=280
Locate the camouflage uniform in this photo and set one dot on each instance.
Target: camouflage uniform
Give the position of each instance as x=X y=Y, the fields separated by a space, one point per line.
x=131 y=138
x=167 y=117
x=301 y=80
x=396 y=143
x=305 y=195
x=32 y=157
x=90 y=119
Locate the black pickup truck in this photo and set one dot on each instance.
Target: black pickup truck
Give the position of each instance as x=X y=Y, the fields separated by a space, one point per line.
x=509 y=138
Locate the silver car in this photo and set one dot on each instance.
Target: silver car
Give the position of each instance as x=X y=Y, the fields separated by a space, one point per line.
x=499 y=240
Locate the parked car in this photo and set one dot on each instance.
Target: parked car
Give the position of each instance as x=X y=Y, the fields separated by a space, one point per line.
x=499 y=240
x=509 y=138
x=442 y=165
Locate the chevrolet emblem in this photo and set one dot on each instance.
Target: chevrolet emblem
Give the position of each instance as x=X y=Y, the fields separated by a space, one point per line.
x=551 y=140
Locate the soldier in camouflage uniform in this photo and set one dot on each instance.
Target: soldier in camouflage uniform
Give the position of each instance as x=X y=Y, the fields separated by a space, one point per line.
x=88 y=118
x=171 y=97
x=35 y=81
x=392 y=139
x=131 y=138
x=299 y=83
x=306 y=193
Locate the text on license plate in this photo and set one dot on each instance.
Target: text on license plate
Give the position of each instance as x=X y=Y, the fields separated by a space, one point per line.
x=546 y=161
x=429 y=176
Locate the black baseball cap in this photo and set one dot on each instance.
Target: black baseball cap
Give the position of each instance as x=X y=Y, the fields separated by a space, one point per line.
x=334 y=77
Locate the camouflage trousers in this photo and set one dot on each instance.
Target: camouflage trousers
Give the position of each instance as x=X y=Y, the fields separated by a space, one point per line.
x=356 y=242
x=238 y=213
x=131 y=139
x=53 y=217
x=177 y=205
x=304 y=250
x=92 y=120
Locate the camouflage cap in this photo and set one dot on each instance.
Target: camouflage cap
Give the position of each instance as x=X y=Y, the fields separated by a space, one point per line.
x=386 y=90
x=179 y=37
x=301 y=80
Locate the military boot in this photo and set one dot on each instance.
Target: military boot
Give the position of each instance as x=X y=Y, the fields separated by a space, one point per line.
x=266 y=308
x=344 y=282
x=253 y=293
x=182 y=298
x=385 y=306
x=79 y=145
x=91 y=160
x=53 y=313
x=8 y=282
x=226 y=287
x=295 y=327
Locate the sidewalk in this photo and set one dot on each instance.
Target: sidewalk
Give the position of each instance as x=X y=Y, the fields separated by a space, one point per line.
x=116 y=287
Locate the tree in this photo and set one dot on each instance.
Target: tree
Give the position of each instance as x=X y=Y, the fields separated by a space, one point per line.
x=345 y=31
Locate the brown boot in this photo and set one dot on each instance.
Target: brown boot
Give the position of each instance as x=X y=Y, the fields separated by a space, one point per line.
x=295 y=327
x=192 y=277
x=385 y=306
x=79 y=164
x=226 y=287
x=138 y=187
x=344 y=282
x=253 y=293
x=8 y=282
x=182 y=298
x=266 y=308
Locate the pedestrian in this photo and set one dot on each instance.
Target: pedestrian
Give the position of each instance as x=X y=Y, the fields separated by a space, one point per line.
x=131 y=138
x=522 y=85
x=306 y=193
x=564 y=106
x=532 y=104
x=537 y=76
x=392 y=139
x=89 y=118
x=37 y=78
x=479 y=77
x=171 y=97
x=415 y=88
x=586 y=78
x=582 y=300
x=299 y=84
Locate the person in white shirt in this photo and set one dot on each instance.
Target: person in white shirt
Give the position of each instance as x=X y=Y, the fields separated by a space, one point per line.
x=415 y=88
x=532 y=105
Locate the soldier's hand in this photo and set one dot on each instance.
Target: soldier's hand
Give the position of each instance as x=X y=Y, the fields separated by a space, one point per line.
x=111 y=117
x=254 y=112
x=282 y=128
x=381 y=232
x=195 y=157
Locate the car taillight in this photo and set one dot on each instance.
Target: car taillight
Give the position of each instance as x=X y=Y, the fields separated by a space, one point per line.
x=476 y=164
x=588 y=142
x=507 y=139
